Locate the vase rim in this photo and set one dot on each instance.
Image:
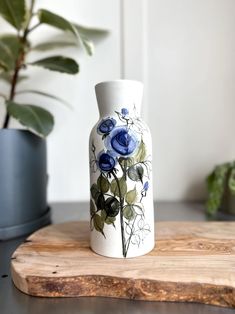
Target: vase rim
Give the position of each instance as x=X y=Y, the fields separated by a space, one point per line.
x=119 y=81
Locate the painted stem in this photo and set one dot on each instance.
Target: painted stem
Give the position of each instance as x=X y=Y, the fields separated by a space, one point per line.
x=132 y=230
x=124 y=251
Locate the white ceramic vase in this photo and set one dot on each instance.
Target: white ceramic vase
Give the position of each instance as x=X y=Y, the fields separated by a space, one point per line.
x=121 y=206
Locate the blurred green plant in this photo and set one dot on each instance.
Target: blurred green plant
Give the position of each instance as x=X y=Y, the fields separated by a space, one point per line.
x=14 y=49
x=220 y=179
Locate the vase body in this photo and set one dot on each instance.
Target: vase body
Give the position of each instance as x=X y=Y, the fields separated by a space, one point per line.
x=23 y=183
x=121 y=205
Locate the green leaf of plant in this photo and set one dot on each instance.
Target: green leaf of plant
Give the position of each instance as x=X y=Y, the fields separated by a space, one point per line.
x=90 y=31
x=103 y=184
x=87 y=44
x=141 y=152
x=128 y=212
x=136 y=173
x=115 y=187
x=9 y=50
x=58 y=64
x=53 y=45
x=112 y=206
x=231 y=181
x=33 y=91
x=13 y=11
x=3 y=67
x=84 y=34
x=52 y=19
x=216 y=184
x=98 y=223
x=131 y=196
x=33 y=117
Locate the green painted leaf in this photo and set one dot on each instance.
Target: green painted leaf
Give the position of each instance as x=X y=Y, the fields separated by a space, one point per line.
x=128 y=212
x=131 y=196
x=98 y=223
x=53 y=45
x=58 y=64
x=103 y=184
x=126 y=162
x=92 y=208
x=103 y=214
x=110 y=220
x=138 y=208
x=52 y=19
x=100 y=202
x=141 y=152
x=13 y=11
x=112 y=206
x=136 y=173
x=33 y=117
x=95 y=192
x=9 y=50
x=33 y=91
x=115 y=187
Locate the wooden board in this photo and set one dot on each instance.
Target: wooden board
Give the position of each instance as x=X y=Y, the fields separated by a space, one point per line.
x=192 y=261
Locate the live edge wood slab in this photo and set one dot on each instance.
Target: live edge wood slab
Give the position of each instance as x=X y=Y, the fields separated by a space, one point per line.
x=192 y=262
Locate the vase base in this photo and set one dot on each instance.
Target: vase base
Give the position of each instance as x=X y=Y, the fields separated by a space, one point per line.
x=14 y=231
x=144 y=252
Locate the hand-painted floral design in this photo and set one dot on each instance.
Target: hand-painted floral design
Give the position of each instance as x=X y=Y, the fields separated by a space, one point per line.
x=123 y=161
x=106 y=125
x=122 y=141
x=106 y=162
x=124 y=112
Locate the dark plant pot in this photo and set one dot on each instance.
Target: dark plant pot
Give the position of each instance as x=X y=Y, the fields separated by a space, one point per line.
x=23 y=183
x=227 y=208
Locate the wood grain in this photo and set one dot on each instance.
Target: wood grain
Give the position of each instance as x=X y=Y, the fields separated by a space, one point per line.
x=192 y=261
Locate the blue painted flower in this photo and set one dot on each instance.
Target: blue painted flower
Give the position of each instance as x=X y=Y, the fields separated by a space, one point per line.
x=106 y=162
x=124 y=112
x=146 y=186
x=106 y=125
x=122 y=141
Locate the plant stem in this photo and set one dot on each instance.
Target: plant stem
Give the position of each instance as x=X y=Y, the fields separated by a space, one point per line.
x=124 y=251
x=12 y=93
x=19 y=63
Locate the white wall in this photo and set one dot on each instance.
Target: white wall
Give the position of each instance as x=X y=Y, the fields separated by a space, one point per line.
x=187 y=50
x=68 y=144
x=184 y=53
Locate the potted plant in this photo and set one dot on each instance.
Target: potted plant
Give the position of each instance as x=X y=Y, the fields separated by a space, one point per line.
x=221 y=192
x=23 y=174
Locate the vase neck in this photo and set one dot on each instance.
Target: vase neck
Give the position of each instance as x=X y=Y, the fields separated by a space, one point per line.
x=119 y=96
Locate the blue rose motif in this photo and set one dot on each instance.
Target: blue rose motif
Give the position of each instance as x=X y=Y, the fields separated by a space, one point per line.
x=146 y=186
x=122 y=141
x=106 y=126
x=124 y=112
x=106 y=162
